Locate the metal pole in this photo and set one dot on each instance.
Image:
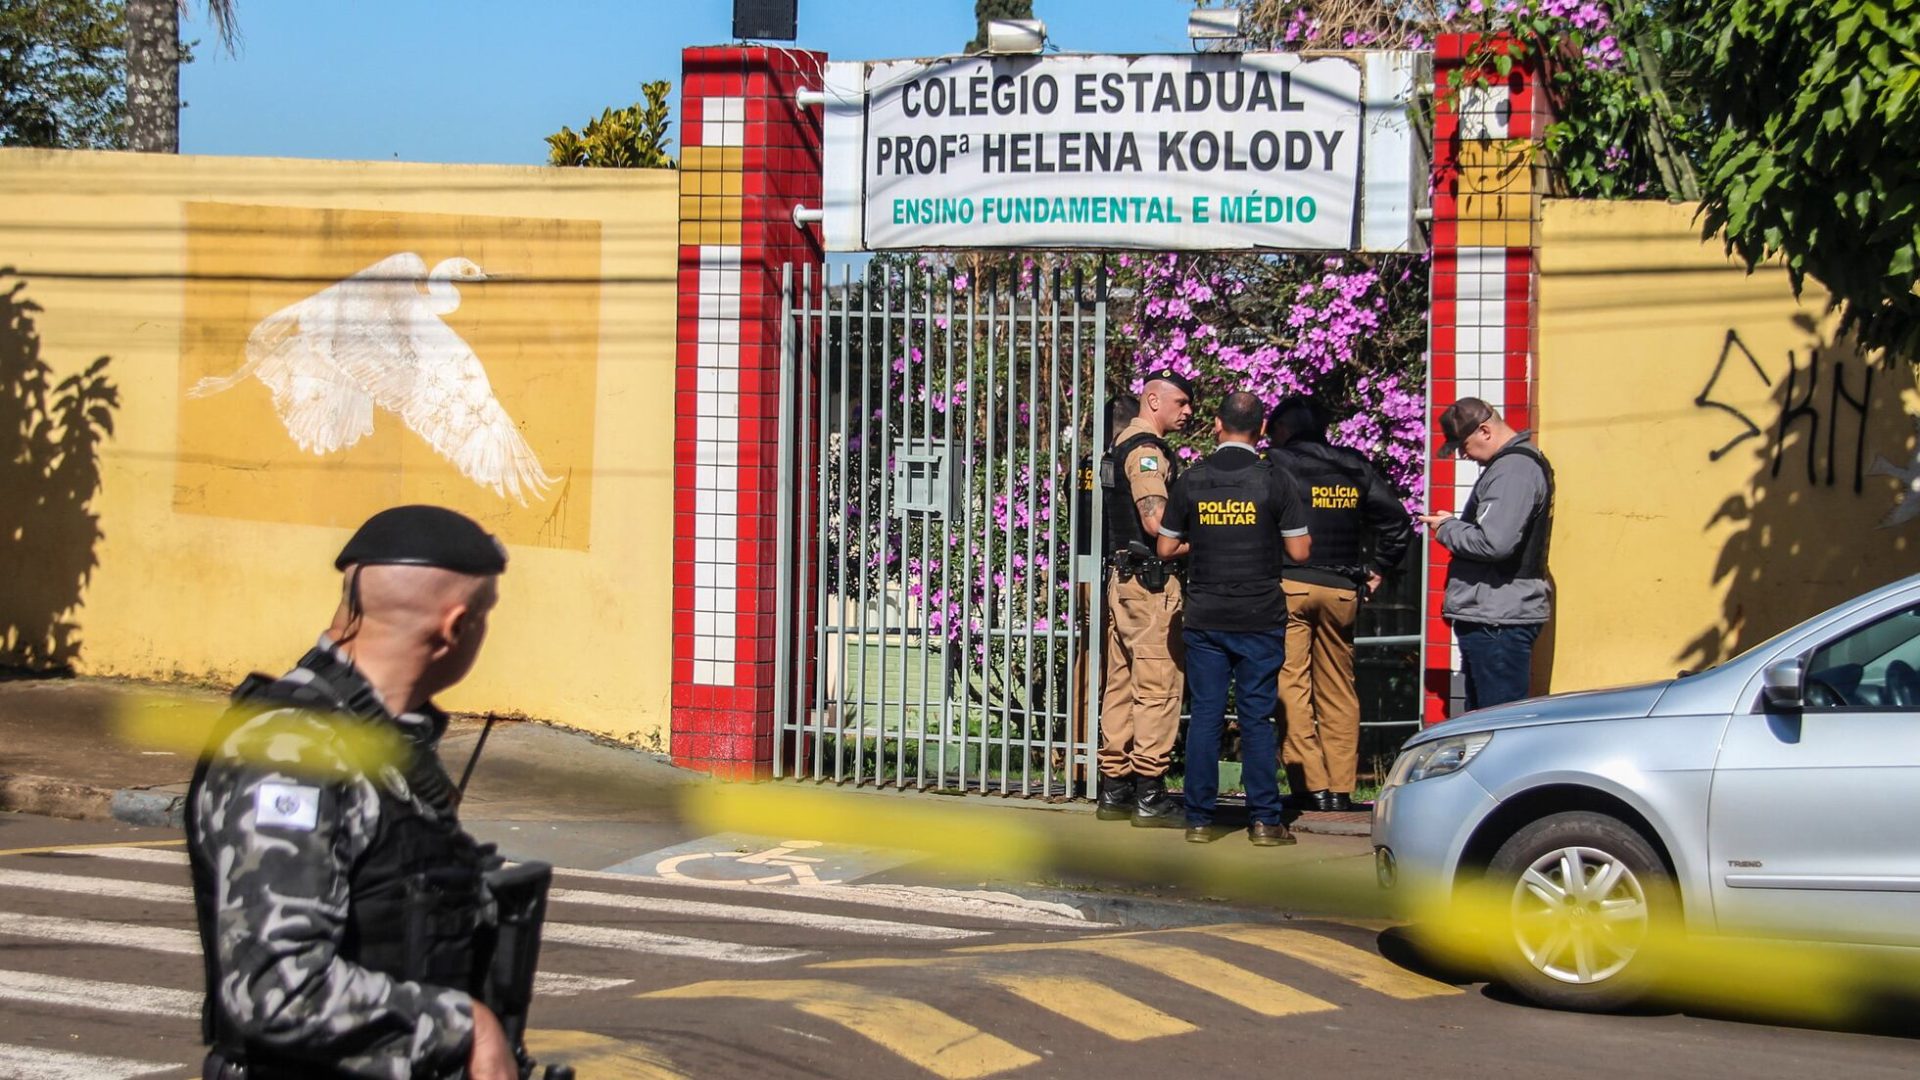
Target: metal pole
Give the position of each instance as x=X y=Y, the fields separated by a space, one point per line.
x=822 y=427
x=805 y=668
x=1053 y=537
x=1013 y=419
x=926 y=525
x=946 y=548
x=888 y=464
x=1076 y=529
x=968 y=526
x=866 y=520
x=1097 y=609
x=783 y=522
x=845 y=585
x=987 y=619
x=1028 y=622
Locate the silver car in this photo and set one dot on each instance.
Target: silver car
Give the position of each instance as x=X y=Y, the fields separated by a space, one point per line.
x=1773 y=795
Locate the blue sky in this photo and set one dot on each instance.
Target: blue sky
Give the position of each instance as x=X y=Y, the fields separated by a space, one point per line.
x=488 y=80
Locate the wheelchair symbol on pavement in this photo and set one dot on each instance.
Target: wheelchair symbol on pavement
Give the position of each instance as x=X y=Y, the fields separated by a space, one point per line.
x=793 y=869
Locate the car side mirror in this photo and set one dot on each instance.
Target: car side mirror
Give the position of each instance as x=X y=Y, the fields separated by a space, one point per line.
x=1783 y=684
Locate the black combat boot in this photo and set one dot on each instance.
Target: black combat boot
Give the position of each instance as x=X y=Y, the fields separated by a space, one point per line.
x=1116 y=798
x=1153 y=808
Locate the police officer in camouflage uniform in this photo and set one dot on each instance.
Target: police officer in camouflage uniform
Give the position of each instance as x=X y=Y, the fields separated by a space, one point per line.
x=338 y=898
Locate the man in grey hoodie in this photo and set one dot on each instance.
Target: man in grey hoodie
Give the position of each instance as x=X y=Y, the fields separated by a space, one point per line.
x=1498 y=597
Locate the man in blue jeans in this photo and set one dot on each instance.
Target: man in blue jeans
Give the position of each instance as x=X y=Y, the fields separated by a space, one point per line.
x=1498 y=596
x=1233 y=515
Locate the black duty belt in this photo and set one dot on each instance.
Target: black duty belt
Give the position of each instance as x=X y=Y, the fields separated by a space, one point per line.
x=1152 y=570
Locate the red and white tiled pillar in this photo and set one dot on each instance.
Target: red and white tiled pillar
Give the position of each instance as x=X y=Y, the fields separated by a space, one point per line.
x=1487 y=178
x=750 y=153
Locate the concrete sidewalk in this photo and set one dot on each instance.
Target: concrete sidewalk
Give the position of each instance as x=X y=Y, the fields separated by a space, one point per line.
x=582 y=802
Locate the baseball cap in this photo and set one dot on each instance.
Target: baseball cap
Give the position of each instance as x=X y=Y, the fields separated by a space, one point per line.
x=425 y=536
x=1299 y=414
x=1460 y=420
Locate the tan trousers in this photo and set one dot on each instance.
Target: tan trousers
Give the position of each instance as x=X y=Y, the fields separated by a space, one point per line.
x=1317 y=698
x=1140 y=710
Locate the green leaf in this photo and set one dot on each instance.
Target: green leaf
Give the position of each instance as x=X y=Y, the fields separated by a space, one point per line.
x=1854 y=98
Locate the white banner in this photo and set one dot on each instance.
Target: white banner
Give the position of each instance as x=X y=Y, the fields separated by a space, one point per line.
x=1160 y=152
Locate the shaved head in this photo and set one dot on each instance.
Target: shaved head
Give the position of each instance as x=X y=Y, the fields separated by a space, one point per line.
x=420 y=626
x=400 y=596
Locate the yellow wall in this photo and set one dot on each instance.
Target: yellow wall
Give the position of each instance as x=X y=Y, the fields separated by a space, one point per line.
x=218 y=530
x=1665 y=557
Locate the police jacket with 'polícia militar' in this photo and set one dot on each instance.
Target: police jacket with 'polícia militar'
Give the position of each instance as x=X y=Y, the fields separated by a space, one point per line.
x=1359 y=524
x=340 y=903
x=1234 y=509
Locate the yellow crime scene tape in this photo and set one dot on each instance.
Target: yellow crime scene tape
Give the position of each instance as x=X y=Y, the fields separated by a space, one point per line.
x=1800 y=982
x=288 y=741
x=1015 y=846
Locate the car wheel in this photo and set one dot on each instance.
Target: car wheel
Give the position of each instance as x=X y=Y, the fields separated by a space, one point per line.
x=1583 y=899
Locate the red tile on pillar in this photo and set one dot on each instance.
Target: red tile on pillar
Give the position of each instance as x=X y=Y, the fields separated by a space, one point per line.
x=1519 y=313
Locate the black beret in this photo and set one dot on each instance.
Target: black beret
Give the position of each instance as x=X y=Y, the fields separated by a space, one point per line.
x=1168 y=375
x=425 y=536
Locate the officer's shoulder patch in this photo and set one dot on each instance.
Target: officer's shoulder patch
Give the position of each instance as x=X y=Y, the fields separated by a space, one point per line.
x=1149 y=463
x=280 y=805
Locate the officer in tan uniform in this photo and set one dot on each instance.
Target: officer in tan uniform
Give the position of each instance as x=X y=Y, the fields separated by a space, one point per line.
x=1140 y=710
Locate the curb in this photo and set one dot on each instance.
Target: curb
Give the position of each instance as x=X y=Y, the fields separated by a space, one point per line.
x=1307 y=824
x=50 y=796
x=154 y=808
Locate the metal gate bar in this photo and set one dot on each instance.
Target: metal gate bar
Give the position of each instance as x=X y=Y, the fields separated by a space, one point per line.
x=940 y=520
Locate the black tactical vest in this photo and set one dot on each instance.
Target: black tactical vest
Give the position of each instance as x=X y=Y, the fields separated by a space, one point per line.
x=1234 y=535
x=1123 y=517
x=1333 y=483
x=415 y=901
x=1529 y=560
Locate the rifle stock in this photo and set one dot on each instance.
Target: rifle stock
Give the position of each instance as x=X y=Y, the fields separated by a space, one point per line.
x=512 y=954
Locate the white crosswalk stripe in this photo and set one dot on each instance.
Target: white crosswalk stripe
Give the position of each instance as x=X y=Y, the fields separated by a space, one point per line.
x=95 y=886
x=163 y=939
x=646 y=941
x=846 y=924
x=94 y=994
x=153 y=856
x=598 y=937
x=118 y=935
x=919 y=899
x=66 y=1065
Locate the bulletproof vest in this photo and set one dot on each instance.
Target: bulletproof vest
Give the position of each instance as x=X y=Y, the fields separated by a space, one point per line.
x=1529 y=559
x=1123 y=517
x=1332 y=483
x=415 y=901
x=1234 y=539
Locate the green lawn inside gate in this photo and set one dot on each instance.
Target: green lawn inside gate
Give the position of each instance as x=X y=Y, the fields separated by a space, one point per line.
x=892 y=724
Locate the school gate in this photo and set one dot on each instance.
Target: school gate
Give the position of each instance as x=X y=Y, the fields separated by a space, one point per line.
x=884 y=522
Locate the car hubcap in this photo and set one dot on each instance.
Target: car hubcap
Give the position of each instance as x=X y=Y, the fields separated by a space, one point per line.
x=1579 y=915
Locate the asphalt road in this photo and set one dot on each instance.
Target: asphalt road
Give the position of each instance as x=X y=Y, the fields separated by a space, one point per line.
x=100 y=977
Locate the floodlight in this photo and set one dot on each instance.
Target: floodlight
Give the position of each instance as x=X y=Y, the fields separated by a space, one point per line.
x=1011 y=36
x=1215 y=24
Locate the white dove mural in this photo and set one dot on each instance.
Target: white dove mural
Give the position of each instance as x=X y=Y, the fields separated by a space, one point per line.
x=378 y=339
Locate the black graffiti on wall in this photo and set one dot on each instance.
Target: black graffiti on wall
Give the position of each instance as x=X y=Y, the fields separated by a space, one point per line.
x=1796 y=408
